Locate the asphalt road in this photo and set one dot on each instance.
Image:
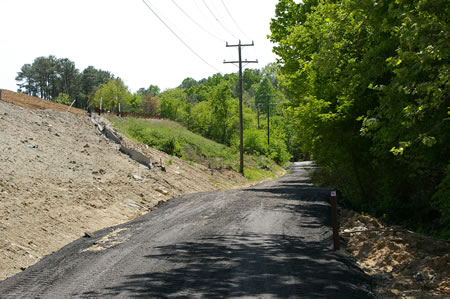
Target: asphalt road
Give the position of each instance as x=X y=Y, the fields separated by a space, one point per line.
x=270 y=240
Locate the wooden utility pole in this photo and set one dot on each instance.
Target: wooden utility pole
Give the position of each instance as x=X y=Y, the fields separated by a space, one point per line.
x=268 y=121
x=241 y=91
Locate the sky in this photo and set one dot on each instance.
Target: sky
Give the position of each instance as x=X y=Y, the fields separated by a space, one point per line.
x=126 y=38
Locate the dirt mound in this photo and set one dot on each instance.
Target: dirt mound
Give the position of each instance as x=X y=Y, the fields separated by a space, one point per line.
x=60 y=178
x=26 y=101
x=403 y=263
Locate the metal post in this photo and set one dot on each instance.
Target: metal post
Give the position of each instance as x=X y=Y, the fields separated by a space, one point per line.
x=334 y=220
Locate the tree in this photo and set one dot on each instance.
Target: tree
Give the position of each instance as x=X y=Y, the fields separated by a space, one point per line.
x=188 y=83
x=26 y=80
x=68 y=78
x=265 y=95
x=171 y=102
x=223 y=112
x=91 y=79
x=150 y=104
x=110 y=95
x=368 y=89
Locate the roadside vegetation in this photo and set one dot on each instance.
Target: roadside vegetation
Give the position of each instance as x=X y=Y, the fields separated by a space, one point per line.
x=369 y=89
x=172 y=138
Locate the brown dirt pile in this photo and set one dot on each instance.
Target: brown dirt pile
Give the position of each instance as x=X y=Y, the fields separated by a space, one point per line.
x=404 y=264
x=30 y=102
x=59 y=178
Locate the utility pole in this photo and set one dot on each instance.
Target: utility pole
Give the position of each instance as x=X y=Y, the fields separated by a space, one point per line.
x=241 y=91
x=268 y=121
x=258 y=106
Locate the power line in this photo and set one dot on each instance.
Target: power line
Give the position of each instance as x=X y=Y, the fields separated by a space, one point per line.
x=234 y=21
x=195 y=22
x=179 y=38
x=217 y=19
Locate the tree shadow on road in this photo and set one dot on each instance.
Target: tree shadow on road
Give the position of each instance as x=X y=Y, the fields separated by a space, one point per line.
x=245 y=265
x=252 y=264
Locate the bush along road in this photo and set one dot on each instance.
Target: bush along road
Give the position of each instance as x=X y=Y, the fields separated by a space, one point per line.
x=270 y=240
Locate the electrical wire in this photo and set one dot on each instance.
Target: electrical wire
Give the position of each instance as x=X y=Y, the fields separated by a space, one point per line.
x=234 y=21
x=218 y=21
x=178 y=37
x=196 y=23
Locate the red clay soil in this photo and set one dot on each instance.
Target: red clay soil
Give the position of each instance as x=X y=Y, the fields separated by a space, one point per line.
x=35 y=103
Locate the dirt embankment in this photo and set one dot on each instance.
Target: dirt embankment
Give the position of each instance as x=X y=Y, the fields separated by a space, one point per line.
x=403 y=264
x=59 y=178
x=31 y=102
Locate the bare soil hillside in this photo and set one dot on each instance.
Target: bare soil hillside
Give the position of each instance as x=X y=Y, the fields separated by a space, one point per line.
x=30 y=102
x=60 y=178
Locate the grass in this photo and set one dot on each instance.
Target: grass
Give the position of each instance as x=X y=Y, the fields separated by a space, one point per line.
x=174 y=139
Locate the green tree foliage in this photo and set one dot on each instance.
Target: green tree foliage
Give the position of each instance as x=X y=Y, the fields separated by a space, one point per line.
x=47 y=77
x=110 y=95
x=224 y=113
x=63 y=98
x=150 y=104
x=171 y=102
x=210 y=107
x=369 y=98
x=265 y=95
x=91 y=79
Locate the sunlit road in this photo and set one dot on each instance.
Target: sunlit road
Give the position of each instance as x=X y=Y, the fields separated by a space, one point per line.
x=270 y=240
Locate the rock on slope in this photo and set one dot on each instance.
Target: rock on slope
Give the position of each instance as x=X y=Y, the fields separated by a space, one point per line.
x=59 y=178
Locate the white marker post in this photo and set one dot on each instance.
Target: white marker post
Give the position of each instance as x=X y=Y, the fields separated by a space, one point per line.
x=70 y=106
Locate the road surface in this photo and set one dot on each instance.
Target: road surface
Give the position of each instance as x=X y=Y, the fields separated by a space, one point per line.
x=270 y=240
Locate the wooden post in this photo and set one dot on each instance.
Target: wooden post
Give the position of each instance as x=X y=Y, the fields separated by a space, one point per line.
x=70 y=105
x=334 y=220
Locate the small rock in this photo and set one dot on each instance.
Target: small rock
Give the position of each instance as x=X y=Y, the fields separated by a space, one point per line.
x=86 y=145
x=57 y=135
x=32 y=145
x=354 y=229
x=5 y=113
x=137 y=178
x=163 y=168
x=88 y=235
x=23 y=268
x=162 y=191
x=379 y=263
x=102 y=171
x=418 y=276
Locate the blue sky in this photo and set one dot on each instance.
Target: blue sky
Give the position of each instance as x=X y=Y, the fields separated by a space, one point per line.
x=126 y=38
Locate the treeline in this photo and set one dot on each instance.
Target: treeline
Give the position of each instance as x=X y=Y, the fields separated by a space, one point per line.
x=209 y=107
x=368 y=84
x=59 y=80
